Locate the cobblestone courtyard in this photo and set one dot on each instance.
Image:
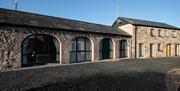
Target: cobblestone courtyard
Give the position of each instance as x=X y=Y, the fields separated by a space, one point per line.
x=123 y=75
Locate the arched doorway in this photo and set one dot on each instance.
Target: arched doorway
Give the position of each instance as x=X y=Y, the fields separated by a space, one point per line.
x=80 y=50
x=123 y=48
x=40 y=49
x=106 y=49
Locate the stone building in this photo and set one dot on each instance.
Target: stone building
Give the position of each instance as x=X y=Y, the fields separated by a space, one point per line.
x=28 y=39
x=151 y=39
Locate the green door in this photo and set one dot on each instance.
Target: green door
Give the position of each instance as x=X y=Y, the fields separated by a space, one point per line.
x=105 y=49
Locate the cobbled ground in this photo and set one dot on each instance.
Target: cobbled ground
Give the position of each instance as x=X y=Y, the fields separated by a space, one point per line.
x=123 y=75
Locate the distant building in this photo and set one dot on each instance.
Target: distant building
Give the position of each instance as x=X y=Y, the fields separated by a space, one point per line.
x=28 y=39
x=151 y=39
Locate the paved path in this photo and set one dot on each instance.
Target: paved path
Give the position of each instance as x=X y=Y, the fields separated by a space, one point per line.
x=123 y=75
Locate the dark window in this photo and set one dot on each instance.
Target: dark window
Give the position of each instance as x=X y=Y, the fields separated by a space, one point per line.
x=159 y=33
x=141 y=50
x=174 y=34
x=151 y=50
x=167 y=33
x=105 y=49
x=123 y=48
x=80 y=50
x=152 y=32
x=159 y=47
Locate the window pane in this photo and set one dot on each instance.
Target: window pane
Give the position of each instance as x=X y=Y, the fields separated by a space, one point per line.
x=72 y=57
x=123 y=48
x=80 y=56
x=88 y=55
x=73 y=46
x=88 y=45
x=25 y=46
x=80 y=44
x=25 y=61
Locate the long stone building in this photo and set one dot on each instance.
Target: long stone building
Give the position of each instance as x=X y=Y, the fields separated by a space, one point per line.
x=28 y=39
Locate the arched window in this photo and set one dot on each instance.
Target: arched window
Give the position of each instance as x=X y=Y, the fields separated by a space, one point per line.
x=40 y=49
x=105 y=49
x=123 y=48
x=80 y=50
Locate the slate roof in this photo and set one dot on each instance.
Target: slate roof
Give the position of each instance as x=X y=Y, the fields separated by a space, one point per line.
x=44 y=21
x=147 y=23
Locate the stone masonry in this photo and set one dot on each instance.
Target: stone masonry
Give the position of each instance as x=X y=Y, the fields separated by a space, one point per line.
x=12 y=37
x=143 y=35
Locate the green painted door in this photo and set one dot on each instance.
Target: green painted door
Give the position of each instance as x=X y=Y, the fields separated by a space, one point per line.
x=105 y=49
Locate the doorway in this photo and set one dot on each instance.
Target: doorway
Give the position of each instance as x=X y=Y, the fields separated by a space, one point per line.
x=152 y=50
x=177 y=50
x=40 y=49
x=106 y=49
x=168 y=50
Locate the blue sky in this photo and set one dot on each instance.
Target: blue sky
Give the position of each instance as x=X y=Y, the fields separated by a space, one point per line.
x=103 y=11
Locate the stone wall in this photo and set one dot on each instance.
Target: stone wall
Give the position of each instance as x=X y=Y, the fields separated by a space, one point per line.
x=12 y=37
x=144 y=36
x=130 y=29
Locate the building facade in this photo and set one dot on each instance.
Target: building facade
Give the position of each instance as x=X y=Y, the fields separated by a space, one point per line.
x=151 y=39
x=28 y=39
